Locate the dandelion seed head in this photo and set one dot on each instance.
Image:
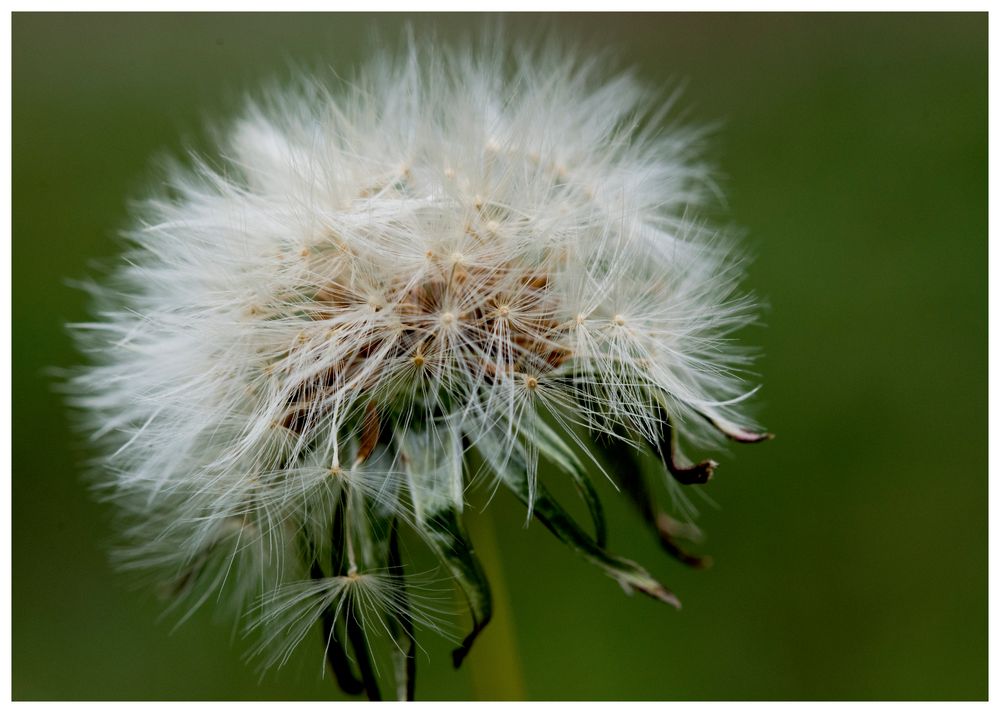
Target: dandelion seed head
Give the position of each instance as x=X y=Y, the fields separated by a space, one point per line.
x=440 y=256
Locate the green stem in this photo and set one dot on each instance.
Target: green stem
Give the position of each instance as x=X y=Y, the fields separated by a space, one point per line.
x=494 y=663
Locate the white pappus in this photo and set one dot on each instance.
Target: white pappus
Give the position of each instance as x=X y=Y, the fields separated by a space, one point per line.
x=382 y=291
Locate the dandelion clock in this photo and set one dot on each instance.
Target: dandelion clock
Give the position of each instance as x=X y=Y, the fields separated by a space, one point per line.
x=382 y=294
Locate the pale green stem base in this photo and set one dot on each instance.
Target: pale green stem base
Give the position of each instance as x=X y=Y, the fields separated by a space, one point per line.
x=494 y=663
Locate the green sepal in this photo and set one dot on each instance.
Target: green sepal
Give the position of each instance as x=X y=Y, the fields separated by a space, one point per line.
x=555 y=450
x=433 y=464
x=627 y=573
x=434 y=467
x=585 y=487
x=445 y=534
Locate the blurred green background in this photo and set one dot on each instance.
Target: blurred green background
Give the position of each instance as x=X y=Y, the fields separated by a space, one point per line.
x=851 y=552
